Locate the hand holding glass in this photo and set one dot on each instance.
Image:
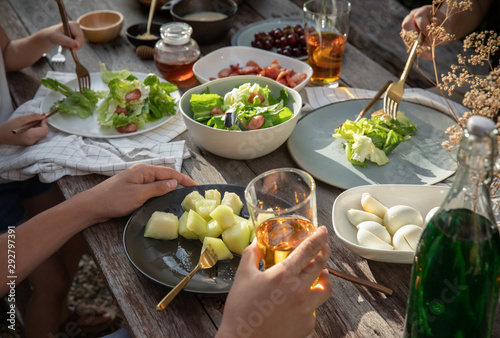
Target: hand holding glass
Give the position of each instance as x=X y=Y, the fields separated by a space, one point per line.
x=282 y=207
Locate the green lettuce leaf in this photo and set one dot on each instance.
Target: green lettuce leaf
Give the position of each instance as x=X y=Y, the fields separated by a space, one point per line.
x=372 y=139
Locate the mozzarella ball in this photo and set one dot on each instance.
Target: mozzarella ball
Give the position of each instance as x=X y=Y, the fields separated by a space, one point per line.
x=407 y=237
x=370 y=204
x=400 y=215
x=430 y=214
x=377 y=229
x=357 y=216
x=369 y=240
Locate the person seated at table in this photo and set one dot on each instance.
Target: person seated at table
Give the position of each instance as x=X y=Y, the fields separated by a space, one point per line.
x=19 y=200
x=459 y=24
x=283 y=291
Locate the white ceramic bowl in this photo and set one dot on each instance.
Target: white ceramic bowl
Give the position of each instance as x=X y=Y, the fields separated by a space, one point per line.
x=210 y=65
x=235 y=144
x=421 y=197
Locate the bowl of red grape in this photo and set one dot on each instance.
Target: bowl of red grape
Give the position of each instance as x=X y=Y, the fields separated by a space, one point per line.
x=289 y=41
x=283 y=36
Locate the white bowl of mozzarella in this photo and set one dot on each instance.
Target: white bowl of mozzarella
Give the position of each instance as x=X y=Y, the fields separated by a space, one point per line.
x=403 y=202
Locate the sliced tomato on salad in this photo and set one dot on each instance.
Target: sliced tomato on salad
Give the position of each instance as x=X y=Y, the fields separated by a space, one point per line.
x=129 y=128
x=133 y=95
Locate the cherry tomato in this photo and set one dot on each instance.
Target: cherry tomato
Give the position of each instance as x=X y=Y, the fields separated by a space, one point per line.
x=256 y=122
x=216 y=111
x=120 y=110
x=253 y=95
x=129 y=128
x=133 y=95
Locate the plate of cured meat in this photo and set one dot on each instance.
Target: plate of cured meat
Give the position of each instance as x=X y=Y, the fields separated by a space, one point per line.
x=241 y=60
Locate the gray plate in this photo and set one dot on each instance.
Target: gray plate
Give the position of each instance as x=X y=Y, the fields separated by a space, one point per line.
x=168 y=262
x=419 y=160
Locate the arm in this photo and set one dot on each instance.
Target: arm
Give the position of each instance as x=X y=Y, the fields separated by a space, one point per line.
x=281 y=295
x=22 y=53
x=41 y=236
x=459 y=24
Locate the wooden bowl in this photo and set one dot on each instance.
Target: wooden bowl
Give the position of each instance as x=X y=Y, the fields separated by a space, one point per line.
x=101 y=26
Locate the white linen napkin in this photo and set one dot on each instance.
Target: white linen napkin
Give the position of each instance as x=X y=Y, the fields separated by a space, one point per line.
x=59 y=154
x=321 y=96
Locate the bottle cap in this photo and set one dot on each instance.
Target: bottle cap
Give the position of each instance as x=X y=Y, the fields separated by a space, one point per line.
x=480 y=125
x=176 y=33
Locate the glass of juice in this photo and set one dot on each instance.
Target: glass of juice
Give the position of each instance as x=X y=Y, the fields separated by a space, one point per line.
x=282 y=207
x=326 y=25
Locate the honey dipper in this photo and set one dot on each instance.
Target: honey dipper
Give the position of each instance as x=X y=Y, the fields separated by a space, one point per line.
x=145 y=52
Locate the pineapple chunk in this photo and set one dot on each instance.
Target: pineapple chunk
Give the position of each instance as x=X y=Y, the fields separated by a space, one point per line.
x=237 y=237
x=204 y=207
x=213 y=194
x=188 y=202
x=183 y=230
x=213 y=230
x=232 y=200
x=162 y=225
x=224 y=215
x=220 y=249
x=196 y=223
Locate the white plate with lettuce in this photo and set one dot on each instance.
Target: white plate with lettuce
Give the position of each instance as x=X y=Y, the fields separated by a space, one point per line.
x=419 y=160
x=89 y=127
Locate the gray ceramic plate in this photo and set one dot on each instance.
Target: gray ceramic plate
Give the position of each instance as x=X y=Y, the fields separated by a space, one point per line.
x=168 y=262
x=419 y=160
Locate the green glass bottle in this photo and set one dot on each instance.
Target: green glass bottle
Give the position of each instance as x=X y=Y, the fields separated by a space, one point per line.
x=456 y=273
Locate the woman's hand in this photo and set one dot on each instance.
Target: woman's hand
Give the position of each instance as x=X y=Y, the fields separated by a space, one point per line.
x=57 y=37
x=27 y=138
x=418 y=20
x=123 y=193
x=278 y=302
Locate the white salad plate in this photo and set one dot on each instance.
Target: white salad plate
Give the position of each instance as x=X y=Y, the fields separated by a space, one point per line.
x=210 y=65
x=420 y=160
x=89 y=127
x=421 y=197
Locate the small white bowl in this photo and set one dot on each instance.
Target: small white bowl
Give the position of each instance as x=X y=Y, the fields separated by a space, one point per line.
x=211 y=64
x=421 y=197
x=236 y=144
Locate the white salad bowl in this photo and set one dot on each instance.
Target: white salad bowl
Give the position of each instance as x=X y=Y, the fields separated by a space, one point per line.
x=210 y=65
x=236 y=144
x=421 y=197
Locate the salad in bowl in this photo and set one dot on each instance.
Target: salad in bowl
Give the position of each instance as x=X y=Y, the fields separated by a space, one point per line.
x=240 y=117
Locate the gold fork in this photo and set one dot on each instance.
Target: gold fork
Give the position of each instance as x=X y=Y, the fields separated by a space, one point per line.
x=207 y=260
x=81 y=72
x=395 y=91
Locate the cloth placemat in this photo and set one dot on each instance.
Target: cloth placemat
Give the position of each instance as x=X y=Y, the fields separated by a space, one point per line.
x=59 y=154
x=321 y=96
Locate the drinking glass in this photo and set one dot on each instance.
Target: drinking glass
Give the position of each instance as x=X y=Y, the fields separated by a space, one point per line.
x=326 y=25
x=282 y=207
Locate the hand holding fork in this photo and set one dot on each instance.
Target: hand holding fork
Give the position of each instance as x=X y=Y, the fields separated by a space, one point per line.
x=81 y=72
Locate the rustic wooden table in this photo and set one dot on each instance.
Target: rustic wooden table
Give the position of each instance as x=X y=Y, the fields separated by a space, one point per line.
x=374 y=55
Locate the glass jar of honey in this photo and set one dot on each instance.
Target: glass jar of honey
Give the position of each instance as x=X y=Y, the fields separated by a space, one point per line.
x=175 y=53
